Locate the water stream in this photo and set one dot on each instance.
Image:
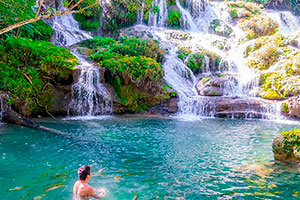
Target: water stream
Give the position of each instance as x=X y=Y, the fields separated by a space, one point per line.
x=89 y=95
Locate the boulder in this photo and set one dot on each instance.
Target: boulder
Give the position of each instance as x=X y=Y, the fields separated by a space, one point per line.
x=291 y=107
x=281 y=154
x=211 y=86
x=237 y=107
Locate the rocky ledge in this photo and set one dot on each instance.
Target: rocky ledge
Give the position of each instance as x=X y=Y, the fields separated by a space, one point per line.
x=236 y=107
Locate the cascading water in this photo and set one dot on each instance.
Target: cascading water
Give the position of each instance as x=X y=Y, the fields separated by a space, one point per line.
x=90 y=97
x=66 y=29
x=287 y=21
x=242 y=82
x=158 y=15
x=186 y=19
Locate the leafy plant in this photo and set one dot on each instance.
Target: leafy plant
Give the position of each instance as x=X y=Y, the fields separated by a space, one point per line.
x=24 y=64
x=291 y=139
x=174 y=18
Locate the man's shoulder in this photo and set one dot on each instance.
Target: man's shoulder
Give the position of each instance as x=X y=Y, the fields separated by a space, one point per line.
x=87 y=190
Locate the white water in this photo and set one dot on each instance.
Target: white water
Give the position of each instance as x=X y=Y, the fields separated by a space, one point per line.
x=287 y=22
x=66 y=29
x=242 y=81
x=195 y=20
x=90 y=96
x=158 y=19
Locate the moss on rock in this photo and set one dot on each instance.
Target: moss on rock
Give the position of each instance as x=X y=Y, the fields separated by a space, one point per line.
x=286 y=147
x=133 y=68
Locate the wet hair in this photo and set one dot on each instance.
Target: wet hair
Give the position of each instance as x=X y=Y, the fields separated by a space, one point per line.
x=83 y=172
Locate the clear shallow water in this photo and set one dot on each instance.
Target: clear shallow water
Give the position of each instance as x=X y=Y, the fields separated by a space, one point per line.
x=157 y=158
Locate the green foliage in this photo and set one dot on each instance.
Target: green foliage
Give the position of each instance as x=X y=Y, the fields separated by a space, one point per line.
x=291 y=139
x=24 y=64
x=12 y=12
x=174 y=18
x=171 y=2
x=155 y=9
x=197 y=60
x=134 y=66
x=130 y=46
x=285 y=107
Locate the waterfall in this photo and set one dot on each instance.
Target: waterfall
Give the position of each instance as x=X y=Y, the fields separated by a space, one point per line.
x=242 y=82
x=288 y=22
x=186 y=19
x=140 y=16
x=66 y=29
x=158 y=17
x=90 y=97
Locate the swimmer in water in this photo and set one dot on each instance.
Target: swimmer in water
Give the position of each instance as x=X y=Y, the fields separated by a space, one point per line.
x=81 y=189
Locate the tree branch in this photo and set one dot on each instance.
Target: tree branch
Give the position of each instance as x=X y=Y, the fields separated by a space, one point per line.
x=68 y=11
x=40 y=6
x=75 y=5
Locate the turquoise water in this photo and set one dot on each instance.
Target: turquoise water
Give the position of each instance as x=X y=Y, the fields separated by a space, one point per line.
x=156 y=158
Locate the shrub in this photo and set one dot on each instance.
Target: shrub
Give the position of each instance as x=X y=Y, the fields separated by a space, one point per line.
x=24 y=64
x=134 y=65
x=291 y=139
x=174 y=18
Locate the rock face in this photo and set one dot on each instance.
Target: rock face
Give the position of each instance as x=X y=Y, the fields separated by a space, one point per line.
x=236 y=107
x=211 y=86
x=216 y=86
x=280 y=152
x=292 y=107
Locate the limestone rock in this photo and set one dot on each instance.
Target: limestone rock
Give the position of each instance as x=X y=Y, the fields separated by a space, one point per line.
x=281 y=154
x=211 y=86
x=292 y=107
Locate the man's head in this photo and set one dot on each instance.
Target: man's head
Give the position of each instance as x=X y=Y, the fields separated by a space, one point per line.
x=84 y=172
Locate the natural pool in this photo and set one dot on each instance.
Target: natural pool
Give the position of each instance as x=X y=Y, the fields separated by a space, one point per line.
x=156 y=158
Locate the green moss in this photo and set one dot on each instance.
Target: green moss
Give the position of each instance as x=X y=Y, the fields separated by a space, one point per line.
x=284 y=81
x=26 y=66
x=135 y=68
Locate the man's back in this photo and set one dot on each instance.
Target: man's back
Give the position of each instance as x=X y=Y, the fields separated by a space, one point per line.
x=82 y=190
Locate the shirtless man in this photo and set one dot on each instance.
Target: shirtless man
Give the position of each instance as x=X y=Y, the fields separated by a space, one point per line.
x=81 y=189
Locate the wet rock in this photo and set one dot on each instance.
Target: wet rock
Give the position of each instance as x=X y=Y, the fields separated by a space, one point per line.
x=211 y=86
x=240 y=108
x=220 y=28
x=291 y=107
x=234 y=107
x=281 y=154
x=166 y=108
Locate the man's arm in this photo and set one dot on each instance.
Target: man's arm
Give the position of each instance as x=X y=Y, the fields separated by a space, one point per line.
x=91 y=192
